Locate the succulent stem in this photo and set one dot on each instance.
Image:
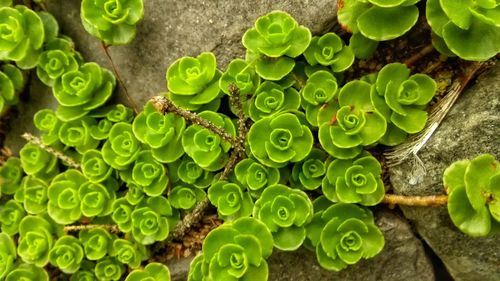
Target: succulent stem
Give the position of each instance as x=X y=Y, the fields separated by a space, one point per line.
x=68 y=160
x=109 y=227
x=420 y=201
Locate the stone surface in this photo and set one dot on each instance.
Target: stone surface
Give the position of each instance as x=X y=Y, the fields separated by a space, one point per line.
x=472 y=127
x=403 y=258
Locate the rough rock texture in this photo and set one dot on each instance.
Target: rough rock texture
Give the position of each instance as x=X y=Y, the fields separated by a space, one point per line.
x=403 y=258
x=472 y=127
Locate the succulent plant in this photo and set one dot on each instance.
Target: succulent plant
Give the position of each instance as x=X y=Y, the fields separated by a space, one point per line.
x=286 y=212
x=190 y=173
x=33 y=195
x=94 y=167
x=468 y=29
x=109 y=269
x=38 y=162
x=112 y=21
x=35 y=240
x=321 y=88
x=7 y=254
x=362 y=47
x=122 y=147
x=67 y=254
x=122 y=214
x=11 y=84
x=147 y=174
x=270 y=99
x=134 y=193
x=255 y=176
x=206 y=148
x=152 y=272
x=230 y=199
x=242 y=75
x=474 y=194
x=129 y=253
x=152 y=220
x=27 y=272
x=96 y=242
x=64 y=198
x=11 y=174
x=276 y=39
x=82 y=90
x=58 y=57
x=100 y=131
x=83 y=275
x=97 y=198
x=46 y=121
x=163 y=133
x=76 y=134
x=11 y=215
x=194 y=82
x=343 y=234
x=308 y=174
x=278 y=140
x=184 y=197
x=329 y=50
x=354 y=125
x=114 y=113
x=22 y=36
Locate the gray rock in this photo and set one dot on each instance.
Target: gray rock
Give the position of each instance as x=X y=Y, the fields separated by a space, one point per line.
x=472 y=127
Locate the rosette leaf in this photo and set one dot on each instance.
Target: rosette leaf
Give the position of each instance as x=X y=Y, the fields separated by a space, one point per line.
x=67 y=254
x=147 y=174
x=112 y=21
x=278 y=140
x=255 y=176
x=321 y=88
x=11 y=84
x=185 y=198
x=474 y=194
x=231 y=200
x=83 y=275
x=270 y=98
x=122 y=147
x=242 y=75
x=355 y=124
x=38 y=162
x=286 y=212
x=27 y=272
x=152 y=220
x=308 y=174
x=152 y=272
x=11 y=174
x=76 y=134
x=79 y=91
x=129 y=253
x=21 y=36
x=163 y=133
x=46 y=121
x=190 y=173
x=354 y=181
x=97 y=198
x=96 y=242
x=109 y=269
x=94 y=167
x=7 y=254
x=122 y=214
x=11 y=215
x=64 y=198
x=362 y=47
x=329 y=50
x=194 y=82
x=206 y=148
x=59 y=57
x=33 y=195
x=35 y=240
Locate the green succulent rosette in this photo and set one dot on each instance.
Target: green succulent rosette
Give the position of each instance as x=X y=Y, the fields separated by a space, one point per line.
x=280 y=139
x=83 y=275
x=109 y=269
x=64 y=205
x=378 y=20
x=82 y=90
x=255 y=176
x=134 y=194
x=242 y=75
x=11 y=215
x=122 y=214
x=94 y=168
x=276 y=39
x=129 y=253
x=329 y=50
x=163 y=133
x=230 y=199
x=100 y=131
x=188 y=172
x=473 y=188
x=468 y=29
x=7 y=254
x=234 y=251
x=67 y=254
x=59 y=56
x=21 y=37
x=152 y=272
x=35 y=240
x=122 y=147
x=309 y=173
x=354 y=125
x=149 y=175
x=354 y=181
x=320 y=89
x=194 y=82
x=286 y=212
x=27 y=272
x=97 y=243
x=11 y=174
x=207 y=149
x=33 y=195
x=11 y=84
x=107 y=116
x=112 y=21
x=343 y=234
x=97 y=198
x=152 y=220
x=46 y=120
x=270 y=99
x=185 y=197
x=38 y=162
x=76 y=134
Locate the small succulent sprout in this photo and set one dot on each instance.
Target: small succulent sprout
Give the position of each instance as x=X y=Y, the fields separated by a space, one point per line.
x=128 y=252
x=152 y=272
x=190 y=173
x=26 y=271
x=109 y=269
x=82 y=90
x=46 y=121
x=11 y=215
x=343 y=234
x=184 y=197
x=11 y=84
x=194 y=82
x=147 y=174
x=362 y=47
x=469 y=29
x=329 y=50
x=321 y=88
x=206 y=148
x=100 y=131
x=255 y=176
x=122 y=214
x=152 y=220
x=122 y=147
x=278 y=140
x=38 y=162
x=230 y=199
x=270 y=99
x=7 y=254
x=378 y=20
x=11 y=174
x=76 y=134
x=35 y=240
x=474 y=194
x=22 y=36
x=276 y=39
x=112 y=21
x=162 y=133
x=97 y=243
x=83 y=275
x=354 y=125
x=33 y=195
x=67 y=254
x=64 y=198
x=308 y=174
x=97 y=198
x=354 y=181
x=94 y=168
x=286 y=212
x=59 y=57
x=134 y=193
x=242 y=75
